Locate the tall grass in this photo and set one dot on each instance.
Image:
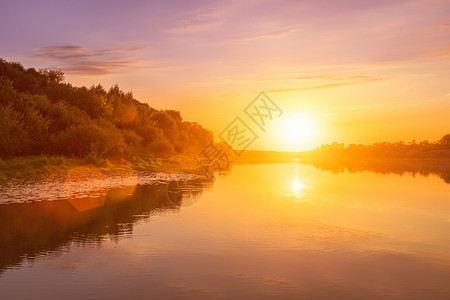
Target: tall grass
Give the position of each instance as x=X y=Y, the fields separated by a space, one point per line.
x=27 y=165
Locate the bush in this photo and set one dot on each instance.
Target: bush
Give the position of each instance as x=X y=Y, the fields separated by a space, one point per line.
x=150 y=134
x=14 y=139
x=161 y=147
x=132 y=140
x=89 y=139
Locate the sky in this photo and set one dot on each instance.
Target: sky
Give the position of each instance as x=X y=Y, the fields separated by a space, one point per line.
x=351 y=71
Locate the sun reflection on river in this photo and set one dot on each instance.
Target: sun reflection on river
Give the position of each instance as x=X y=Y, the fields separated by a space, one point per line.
x=298 y=189
x=297 y=186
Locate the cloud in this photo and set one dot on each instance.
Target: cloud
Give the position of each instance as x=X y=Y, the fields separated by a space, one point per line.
x=354 y=80
x=325 y=77
x=198 y=21
x=202 y=15
x=442 y=52
x=358 y=109
x=195 y=27
x=271 y=35
x=80 y=60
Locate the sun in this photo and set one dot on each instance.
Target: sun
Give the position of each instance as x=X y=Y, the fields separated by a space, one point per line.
x=297 y=133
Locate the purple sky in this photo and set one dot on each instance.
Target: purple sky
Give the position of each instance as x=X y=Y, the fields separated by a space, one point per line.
x=340 y=62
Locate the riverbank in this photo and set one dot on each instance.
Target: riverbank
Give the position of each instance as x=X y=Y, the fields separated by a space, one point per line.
x=42 y=164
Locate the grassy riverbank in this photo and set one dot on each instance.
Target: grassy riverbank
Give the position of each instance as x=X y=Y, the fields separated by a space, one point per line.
x=42 y=164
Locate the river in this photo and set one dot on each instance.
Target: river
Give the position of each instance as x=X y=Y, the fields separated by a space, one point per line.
x=278 y=231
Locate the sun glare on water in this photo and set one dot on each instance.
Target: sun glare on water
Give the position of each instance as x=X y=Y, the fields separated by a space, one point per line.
x=297 y=189
x=297 y=186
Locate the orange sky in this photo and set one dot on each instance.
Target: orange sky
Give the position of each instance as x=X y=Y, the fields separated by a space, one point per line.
x=349 y=71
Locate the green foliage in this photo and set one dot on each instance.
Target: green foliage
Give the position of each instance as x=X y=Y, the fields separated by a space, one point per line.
x=42 y=114
x=424 y=149
x=161 y=147
x=89 y=139
x=132 y=140
x=34 y=164
x=143 y=162
x=445 y=139
x=14 y=139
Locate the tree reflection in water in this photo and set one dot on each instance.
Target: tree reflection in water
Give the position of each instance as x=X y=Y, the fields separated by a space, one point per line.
x=33 y=229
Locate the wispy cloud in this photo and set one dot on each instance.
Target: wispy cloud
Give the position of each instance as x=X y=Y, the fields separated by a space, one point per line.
x=271 y=35
x=86 y=61
x=308 y=78
x=195 y=27
x=358 y=109
x=442 y=52
x=355 y=81
x=198 y=21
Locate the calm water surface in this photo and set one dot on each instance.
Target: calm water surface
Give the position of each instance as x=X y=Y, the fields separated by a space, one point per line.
x=261 y=231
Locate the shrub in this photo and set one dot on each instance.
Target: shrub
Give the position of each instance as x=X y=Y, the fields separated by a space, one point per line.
x=89 y=139
x=132 y=140
x=161 y=147
x=150 y=134
x=14 y=139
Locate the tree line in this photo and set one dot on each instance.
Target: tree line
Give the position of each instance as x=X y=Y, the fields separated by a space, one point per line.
x=424 y=149
x=40 y=113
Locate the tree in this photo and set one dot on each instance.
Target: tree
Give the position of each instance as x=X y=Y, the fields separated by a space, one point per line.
x=14 y=139
x=53 y=75
x=445 y=139
x=89 y=139
x=42 y=114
